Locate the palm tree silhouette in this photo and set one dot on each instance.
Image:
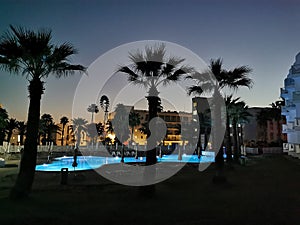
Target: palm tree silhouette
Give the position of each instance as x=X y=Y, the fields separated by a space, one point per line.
x=230 y=103
x=3 y=124
x=64 y=121
x=237 y=111
x=33 y=54
x=79 y=125
x=11 y=125
x=48 y=127
x=22 y=131
x=134 y=120
x=150 y=69
x=93 y=108
x=232 y=79
x=104 y=104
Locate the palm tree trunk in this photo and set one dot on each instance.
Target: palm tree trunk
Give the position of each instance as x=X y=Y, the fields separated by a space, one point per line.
x=216 y=128
x=235 y=141
x=62 y=135
x=9 y=136
x=153 y=102
x=228 y=140
x=132 y=131
x=149 y=173
x=21 y=139
x=25 y=178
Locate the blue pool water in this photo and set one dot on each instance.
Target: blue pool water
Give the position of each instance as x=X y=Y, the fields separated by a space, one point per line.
x=94 y=162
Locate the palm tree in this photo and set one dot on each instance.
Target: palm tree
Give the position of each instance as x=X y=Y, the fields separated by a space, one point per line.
x=91 y=129
x=238 y=113
x=243 y=118
x=151 y=69
x=109 y=127
x=22 y=131
x=134 y=120
x=33 y=54
x=104 y=104
x=48 y=127
x=11 y=125
x=233 y=79
x=120 y=123
x=275 y=113
x=93 y=108
x=79 y=125
x=64 y=121
x=3 y=124
x=100 y=129
x=230 y=103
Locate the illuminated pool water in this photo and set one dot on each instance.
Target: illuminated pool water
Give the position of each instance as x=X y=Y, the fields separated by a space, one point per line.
x=94 y=162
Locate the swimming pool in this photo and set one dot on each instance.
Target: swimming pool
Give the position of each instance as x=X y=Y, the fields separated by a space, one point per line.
x=95 y=162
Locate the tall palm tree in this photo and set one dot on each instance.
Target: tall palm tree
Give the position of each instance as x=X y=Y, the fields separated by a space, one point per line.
x=134 y=120
x=238 y=113
x=150 y=69
x=22 y=131
x=233 y=79
x=93 y=108
x=3 y=124
x=11 y=125
x=79 y=125
x=34 y=55
x=104 y=104
x=64 y=121
x=230 y=103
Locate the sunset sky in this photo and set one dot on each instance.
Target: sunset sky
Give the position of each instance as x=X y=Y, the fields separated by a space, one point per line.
x=265 y=35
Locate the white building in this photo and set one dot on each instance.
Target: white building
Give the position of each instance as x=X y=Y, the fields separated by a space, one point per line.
x=291 y=94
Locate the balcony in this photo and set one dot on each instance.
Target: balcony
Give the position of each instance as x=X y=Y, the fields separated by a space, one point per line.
x=284 y=128
x=297 y=124
x=289 y=83
x=284 y=93
x=289 y=126
x=285 y=110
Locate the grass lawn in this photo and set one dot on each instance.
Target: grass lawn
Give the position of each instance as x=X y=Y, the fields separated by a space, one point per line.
x=264 y=192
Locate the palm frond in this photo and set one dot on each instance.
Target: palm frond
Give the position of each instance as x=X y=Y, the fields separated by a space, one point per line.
x=132 y=76
x=195 y=90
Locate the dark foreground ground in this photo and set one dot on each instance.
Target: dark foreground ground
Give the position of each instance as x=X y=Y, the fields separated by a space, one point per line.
x=264 y=192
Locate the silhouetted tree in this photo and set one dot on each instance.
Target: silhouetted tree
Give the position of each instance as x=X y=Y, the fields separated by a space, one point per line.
x=233 y=79
x=93 y=108
x=79 y=125
x=134 y=120
x=22 y=131
x=151 y=69
x=34 y=55
x=3 y=124
x=64 y=121
x=11 y=125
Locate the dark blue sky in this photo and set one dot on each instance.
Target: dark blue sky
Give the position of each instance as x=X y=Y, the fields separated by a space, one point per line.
x=264 y=35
